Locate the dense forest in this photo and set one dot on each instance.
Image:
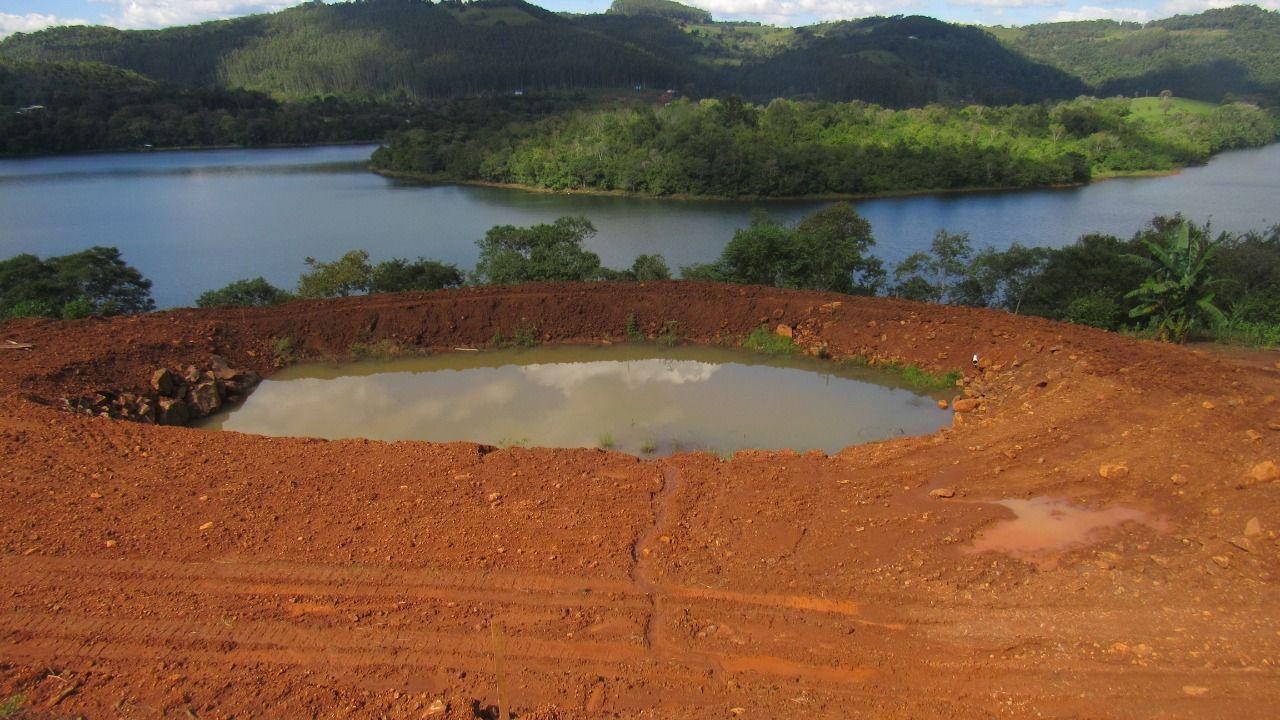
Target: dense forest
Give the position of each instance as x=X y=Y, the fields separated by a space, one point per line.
x=48 y=107
x=793 y=148
x=395 y=49
x=1217 y=55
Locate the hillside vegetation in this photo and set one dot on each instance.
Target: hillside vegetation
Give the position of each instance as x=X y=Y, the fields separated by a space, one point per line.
x=790 y=148
x=1216 y=55
x=383 y=49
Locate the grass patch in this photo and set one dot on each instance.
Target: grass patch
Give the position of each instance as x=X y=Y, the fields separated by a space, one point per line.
x=670 y=334
x=648 y=447
x=761 y=340
x=526 y=336
x=381 y=349
x=632 y=329
x=12 y=706
x=1253 y=334
x=1153 y=108
x=912 y=375
x=606 y=441
x=284 y=349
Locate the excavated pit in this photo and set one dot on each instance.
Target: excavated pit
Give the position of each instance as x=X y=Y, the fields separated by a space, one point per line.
x=173 y=570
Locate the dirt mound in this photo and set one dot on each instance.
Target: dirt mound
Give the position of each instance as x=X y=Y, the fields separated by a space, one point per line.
x=164 y=571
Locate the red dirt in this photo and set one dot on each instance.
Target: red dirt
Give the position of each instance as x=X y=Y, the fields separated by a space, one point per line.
x=360 y=579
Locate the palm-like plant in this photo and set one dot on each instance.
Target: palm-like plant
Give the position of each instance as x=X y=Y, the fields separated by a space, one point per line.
x=1177 y=297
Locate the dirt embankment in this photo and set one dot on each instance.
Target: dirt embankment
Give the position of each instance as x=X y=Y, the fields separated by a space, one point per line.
x=164 y=571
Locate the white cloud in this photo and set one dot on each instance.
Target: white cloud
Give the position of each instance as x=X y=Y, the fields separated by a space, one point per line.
x=163 y=13
x=10 y=24
x=1095 y=12
x=787 y=12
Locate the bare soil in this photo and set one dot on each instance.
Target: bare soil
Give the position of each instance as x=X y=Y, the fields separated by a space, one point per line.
x=169 y=572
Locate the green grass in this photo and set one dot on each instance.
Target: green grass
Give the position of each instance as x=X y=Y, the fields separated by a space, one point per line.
x=1152 y=109
x=381 y=349
x=915 y=377
x=606 y=441
x=12 y=706
x=648 y=447
x=761 y=340
x=632 y=329
x=1254 y=334
x=670 y=334
x=284 y=349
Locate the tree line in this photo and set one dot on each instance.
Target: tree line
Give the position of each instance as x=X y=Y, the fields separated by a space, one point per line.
x=1174 y=280
x=790 y=148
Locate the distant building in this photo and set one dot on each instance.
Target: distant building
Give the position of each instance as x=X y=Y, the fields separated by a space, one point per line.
x=519 y=93
x=30 y=108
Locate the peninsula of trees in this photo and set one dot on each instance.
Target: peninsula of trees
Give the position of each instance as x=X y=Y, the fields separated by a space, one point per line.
x=729 y=148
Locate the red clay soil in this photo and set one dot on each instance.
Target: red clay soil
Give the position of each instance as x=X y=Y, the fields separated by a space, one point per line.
x=170 y=572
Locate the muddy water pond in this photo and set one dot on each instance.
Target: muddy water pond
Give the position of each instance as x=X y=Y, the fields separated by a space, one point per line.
x=641 y=399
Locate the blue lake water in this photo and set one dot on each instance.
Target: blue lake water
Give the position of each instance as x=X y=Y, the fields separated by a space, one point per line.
x=193 y=221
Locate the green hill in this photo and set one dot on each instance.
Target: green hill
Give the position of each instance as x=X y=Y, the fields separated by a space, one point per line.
x=1215 y=55
x=387 y=49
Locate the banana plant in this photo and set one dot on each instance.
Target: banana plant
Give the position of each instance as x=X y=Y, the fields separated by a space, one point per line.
x=1177 y=298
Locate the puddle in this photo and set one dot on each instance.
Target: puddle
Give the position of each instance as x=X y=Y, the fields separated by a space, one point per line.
x=1046 y=527
x=640 y=399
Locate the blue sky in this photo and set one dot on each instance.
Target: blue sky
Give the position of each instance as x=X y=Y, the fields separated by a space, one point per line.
x=28 y=15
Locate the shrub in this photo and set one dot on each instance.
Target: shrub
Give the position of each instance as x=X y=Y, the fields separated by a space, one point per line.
x=399 y=275
x=96 y=281
x=1097 y=309
x=511 y=255
x=761 y=340
x=256 y=292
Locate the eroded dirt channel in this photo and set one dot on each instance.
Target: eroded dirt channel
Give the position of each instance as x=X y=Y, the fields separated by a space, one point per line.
x=156 y=571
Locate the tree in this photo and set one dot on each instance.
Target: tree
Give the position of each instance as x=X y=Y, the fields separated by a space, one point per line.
x=931 y=276
x=511 y=255
x=827 y=250
x=399 y=275
x=96 y=281
x=349 y=275
x=1177 y=297
x=244 y=293
x=1002 y=278
x=650 y=267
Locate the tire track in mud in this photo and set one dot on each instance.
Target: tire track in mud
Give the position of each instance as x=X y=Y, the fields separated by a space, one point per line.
x=264 y=588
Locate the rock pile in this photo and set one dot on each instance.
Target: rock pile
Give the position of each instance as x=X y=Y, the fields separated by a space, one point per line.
x=176 y=397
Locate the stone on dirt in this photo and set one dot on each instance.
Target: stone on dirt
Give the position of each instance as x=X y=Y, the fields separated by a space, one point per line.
x=172 y=412
x=784 y=330
x=165 y=381
x=962 y=405
x=205 y=398
x=1114 y=471
x=943 y=493
x=1265 y=471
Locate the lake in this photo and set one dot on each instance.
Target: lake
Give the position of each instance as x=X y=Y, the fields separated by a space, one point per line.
x=193 y=221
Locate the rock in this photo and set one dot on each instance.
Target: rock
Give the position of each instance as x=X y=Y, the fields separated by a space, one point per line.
x=166 y=382
x=204 y=398
x=943 y=405
x=191 y=374
x=172 y=412
x=1207 y=405
x=437 y=707
x=1273 y=425
x=1242 y=543
x=1114 y=472
x=1265 y=471
x=1253 y=435
x=945 y=492
x=1178 y=479
x=1222 y=560
x=110 y=543
x=1194 y=690
x=1253 y=528
x=207 y=525
x=962 y=405
x=784 y=330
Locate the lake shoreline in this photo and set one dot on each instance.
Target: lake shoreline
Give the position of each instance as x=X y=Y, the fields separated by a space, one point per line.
x=428 y=179
x=192 y=148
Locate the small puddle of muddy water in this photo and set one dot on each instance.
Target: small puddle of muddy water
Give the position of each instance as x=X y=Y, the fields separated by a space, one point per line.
x=1043 y=528
x=640 y=399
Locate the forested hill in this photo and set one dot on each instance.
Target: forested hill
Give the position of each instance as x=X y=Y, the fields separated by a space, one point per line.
x=413 y=48
x=1216 y=55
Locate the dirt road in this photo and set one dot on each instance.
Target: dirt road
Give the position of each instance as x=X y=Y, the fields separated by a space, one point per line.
x=169 y=572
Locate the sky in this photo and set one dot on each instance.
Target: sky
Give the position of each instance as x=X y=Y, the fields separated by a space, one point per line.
x=29 y=15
